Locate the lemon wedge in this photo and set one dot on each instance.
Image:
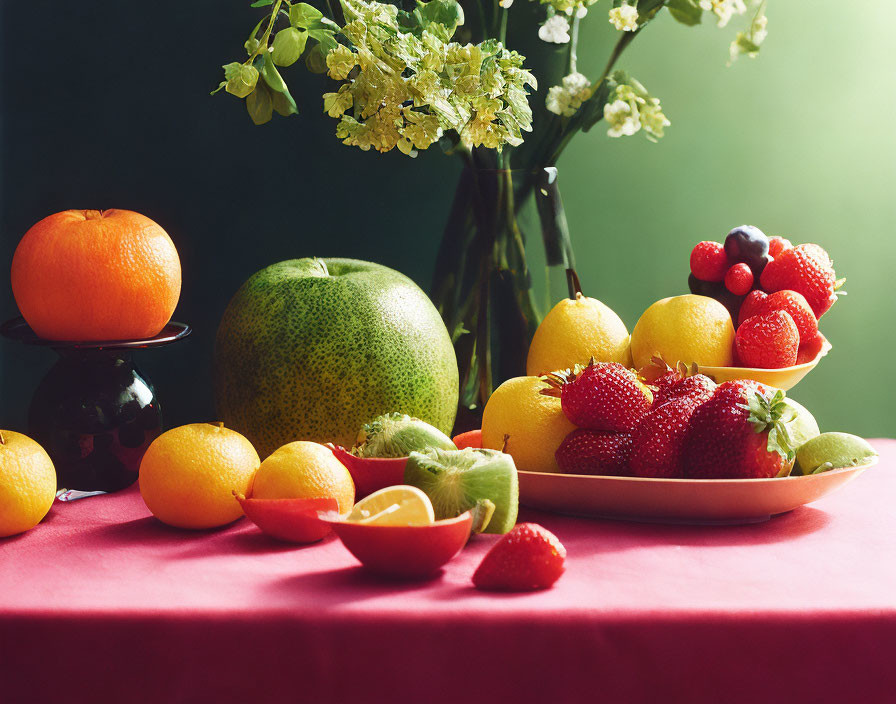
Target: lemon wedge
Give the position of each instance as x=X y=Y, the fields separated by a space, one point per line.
x=400 y=505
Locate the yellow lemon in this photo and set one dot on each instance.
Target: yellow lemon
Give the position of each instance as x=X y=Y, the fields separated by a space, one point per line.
x=534 y=423
x=689 y=329
x=400 y=505
x=574 y=331
x=27 y=483
x=188 y=475
x=304 y=470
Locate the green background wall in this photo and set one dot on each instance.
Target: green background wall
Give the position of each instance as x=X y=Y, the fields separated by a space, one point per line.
x=106 y=104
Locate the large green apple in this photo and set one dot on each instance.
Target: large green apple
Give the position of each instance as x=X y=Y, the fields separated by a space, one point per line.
x=312 y=349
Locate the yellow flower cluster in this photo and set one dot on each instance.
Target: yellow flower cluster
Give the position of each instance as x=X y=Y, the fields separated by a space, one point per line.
x=406 y=84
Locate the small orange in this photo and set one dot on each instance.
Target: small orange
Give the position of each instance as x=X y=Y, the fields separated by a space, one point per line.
x=96 y=275
x=27 y=483
x=534 y=423
x=189 y=474
x=305 y=470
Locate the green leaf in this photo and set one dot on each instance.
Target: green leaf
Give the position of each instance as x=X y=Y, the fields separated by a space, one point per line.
x=284 y=104
x=326 y=40
x=304 y=15
x=271 y=75
x=262 y=3
x=240 y=79
x=316 y=59
x=447 y=13
x=260 y=104
x=289 y=44
x=685 y=11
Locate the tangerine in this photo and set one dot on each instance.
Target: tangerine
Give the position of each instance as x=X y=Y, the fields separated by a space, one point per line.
x=96 y=275
x=27 y=483
x=189 y=474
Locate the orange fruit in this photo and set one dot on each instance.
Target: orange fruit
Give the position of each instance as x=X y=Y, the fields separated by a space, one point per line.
x=188 y=475
x=690 y=329
x=305 y=470
x=574 y=331
x=27 y=483
x=96 y=275
x=534 y=423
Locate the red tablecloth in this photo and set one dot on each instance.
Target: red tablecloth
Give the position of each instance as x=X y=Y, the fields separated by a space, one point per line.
x=103 y=603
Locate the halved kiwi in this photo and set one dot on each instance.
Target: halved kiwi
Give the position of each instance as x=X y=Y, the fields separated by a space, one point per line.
x=456 y=480
x=397 y=435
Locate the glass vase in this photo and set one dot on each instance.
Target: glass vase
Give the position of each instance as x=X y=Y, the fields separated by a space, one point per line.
x=502 y=264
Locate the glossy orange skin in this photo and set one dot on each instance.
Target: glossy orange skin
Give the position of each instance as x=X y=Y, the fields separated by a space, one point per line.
x=92 y=275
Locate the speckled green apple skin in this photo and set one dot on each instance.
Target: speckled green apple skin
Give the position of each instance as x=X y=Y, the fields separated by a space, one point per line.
x=312 y=349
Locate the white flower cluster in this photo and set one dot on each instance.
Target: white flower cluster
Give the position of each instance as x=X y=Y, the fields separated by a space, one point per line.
x=624 y=18
x=724 y=9
x=630 y=109
x=555 y=30
x=748 y=42
x=568 y=97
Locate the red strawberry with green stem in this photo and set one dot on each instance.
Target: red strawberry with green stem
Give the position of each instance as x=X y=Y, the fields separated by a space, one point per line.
x=806 y=269
x=529 y=557
x=657 y=443
x=594 y=452
x=600 y=396
x=740 y=433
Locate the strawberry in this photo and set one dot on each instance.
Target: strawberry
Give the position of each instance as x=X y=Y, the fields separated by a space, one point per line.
x=806 y=269
x=739 y=433
x=769 y=341
x=594 y=452
x=709 y=261
x=529 y=557
x=698 y=387
x=810 y=350
x=799 y=309
x=601 y=396
x=777 y=244
x=752 y=305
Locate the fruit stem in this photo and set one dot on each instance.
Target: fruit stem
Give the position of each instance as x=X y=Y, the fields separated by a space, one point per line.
x=2 y=439
x=218 y=423
x=572 y=280
x=506 y=440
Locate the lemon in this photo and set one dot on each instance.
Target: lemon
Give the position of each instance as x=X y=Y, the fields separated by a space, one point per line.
x=304 y=470
x=534 y=423
x=574 y=331
x=400 y=505
x=189 y=473
x=689 y=329
x=27 y=483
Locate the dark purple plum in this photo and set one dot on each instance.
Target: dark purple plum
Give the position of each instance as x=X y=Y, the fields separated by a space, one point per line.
x=748 y=244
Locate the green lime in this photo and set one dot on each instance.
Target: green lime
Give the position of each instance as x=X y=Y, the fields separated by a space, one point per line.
x=833 y=451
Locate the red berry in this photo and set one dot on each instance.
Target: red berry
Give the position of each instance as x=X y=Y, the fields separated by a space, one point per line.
x=810 y=350
x=805 y=269
x=602 y=396
x=709 y=261
x=529 y=557
x=656 y=446
x=799 y=309
x=768 y=341
x=776 y=245
x=739 y=279
x=729 y=436
x=594 y=452
x=752 y=305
